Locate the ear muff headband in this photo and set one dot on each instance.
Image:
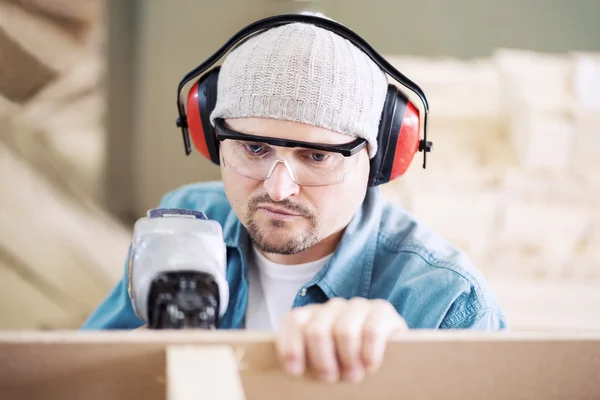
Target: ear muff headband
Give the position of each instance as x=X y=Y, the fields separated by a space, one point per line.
x=333 y=26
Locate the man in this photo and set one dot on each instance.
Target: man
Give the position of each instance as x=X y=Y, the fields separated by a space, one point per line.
x=314 y=252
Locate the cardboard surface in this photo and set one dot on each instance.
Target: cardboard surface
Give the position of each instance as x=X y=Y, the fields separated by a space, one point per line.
x=420 y=365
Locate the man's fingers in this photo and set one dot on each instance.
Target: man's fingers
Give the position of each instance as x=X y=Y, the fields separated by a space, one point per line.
x=382 y=322
x=290 y=341
x=320 y=345
x=339 y=336
x=348 y=337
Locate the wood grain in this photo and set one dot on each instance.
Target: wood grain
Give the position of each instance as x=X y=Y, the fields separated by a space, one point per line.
x=419 y=365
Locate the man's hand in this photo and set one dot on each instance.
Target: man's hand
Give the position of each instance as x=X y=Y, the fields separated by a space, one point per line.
x=339 y=339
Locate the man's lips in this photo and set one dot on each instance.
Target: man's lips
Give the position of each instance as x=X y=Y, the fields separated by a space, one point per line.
x=280 y=211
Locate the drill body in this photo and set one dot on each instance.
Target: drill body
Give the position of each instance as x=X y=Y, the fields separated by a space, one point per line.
x=176 y=270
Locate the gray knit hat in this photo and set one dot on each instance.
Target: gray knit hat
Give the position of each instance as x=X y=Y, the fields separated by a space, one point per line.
x=302 y=73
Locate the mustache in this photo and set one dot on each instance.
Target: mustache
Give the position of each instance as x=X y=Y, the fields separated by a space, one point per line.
x=285 y=203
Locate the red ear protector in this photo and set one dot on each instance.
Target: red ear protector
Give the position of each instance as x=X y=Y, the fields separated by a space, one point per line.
x=399 y=128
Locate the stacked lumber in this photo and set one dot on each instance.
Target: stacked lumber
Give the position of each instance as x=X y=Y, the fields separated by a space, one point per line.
x=514 y=178
x=516 y=162
x=60 y=251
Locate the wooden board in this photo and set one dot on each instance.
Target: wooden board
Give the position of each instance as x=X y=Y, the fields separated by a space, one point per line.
x=203 y=372
x=420 y=365
x=67 y=250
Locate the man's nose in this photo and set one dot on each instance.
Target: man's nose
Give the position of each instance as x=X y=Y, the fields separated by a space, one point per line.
x=280 y=184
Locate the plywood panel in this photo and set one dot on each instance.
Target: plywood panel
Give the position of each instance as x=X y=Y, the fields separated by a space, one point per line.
x=7 y=107
x=22 y=74
x=64 y=244
x=23 y=305
x=202 y=372
x=83 y=372
x=48 y=42
x=419 y=365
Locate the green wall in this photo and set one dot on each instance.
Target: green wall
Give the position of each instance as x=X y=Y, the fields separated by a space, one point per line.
x=470 y=28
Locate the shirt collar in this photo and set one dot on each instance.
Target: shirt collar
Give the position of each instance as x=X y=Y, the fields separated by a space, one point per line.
x=234 y=233
x=348 y=273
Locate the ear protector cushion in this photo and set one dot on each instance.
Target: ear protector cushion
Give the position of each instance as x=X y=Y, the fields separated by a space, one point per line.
x=201 y=100
x=398 y=138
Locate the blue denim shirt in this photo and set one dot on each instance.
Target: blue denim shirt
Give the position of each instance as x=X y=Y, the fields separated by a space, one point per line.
x=384 y=253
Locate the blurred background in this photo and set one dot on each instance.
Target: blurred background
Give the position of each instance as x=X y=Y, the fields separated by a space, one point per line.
x=88 y=140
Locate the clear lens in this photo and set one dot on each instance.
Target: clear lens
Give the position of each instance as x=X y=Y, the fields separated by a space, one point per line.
x=308 y=167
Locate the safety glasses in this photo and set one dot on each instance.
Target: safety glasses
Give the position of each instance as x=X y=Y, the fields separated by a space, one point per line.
x=309 y=164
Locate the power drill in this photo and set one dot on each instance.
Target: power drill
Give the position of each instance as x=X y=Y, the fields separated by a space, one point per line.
x=176 y=269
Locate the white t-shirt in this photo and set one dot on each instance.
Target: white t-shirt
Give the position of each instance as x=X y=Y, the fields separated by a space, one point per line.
x=273 y=288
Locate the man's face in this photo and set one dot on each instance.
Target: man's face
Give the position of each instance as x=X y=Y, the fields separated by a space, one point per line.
x=281 y=216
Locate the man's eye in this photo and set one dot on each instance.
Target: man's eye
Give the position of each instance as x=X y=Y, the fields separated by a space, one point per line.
x=318 y=157
x=254 y=148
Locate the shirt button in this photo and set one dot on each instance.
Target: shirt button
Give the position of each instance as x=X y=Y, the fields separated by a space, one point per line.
x=303 y=292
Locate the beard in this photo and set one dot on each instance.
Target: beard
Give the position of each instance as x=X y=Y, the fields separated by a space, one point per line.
x=278 y=240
